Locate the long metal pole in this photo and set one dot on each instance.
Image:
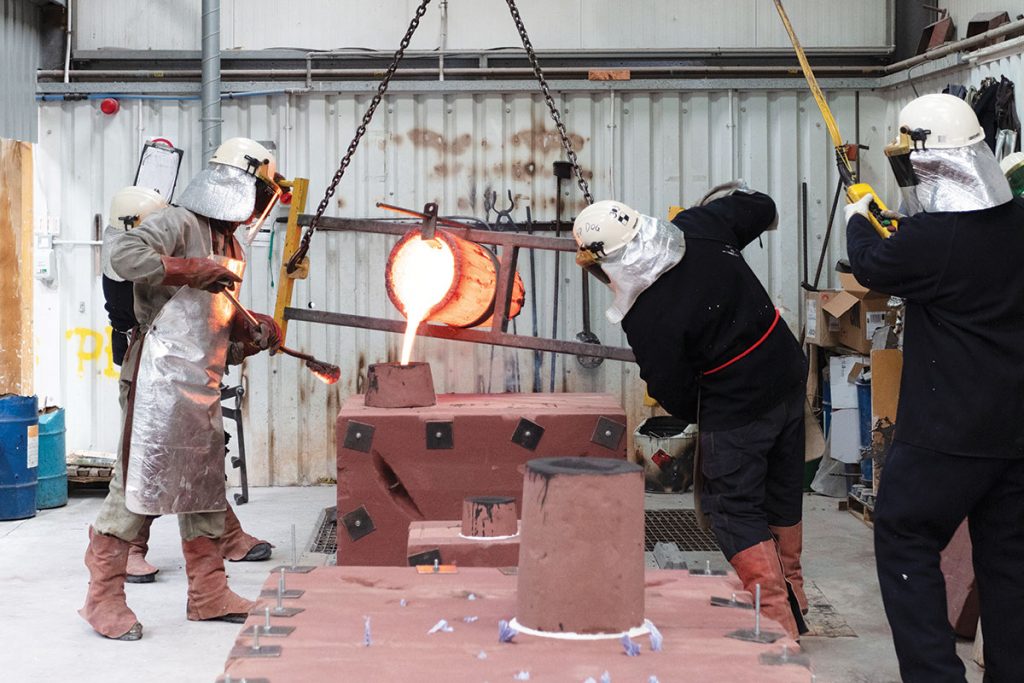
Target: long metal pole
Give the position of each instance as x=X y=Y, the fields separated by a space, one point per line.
x=211 y=118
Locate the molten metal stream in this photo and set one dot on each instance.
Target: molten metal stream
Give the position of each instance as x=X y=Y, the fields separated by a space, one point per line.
x=422 y=274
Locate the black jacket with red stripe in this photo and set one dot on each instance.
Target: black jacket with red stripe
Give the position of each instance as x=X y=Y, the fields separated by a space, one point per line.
x=707 y=310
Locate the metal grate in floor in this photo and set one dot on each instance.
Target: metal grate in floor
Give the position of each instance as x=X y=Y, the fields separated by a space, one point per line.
x=679 y=527
x=325 y=536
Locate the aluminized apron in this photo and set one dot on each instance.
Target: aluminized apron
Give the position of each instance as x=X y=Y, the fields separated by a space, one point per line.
x=176 y=455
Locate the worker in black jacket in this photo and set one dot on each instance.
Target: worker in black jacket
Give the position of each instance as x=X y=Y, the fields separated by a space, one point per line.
x=713 y=350
x=958 y=450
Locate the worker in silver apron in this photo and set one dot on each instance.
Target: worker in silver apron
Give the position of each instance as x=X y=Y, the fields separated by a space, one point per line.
x=171 y=456
x=128 y=207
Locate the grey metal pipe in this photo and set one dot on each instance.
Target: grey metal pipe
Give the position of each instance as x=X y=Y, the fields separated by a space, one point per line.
x=957 y=46
x=301 y=74
x=210 y=96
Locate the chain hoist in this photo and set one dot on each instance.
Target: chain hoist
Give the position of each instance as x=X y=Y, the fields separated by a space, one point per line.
x=566 y=143
x=300 y=253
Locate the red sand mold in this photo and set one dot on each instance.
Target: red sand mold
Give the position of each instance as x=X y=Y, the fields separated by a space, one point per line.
x=581 y=563
x=447 y=538
x=393 y=467
x=392 y=385
x=328 y=643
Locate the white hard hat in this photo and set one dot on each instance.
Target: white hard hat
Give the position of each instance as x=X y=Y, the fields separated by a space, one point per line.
x=938 y=121
x=131 y=204
x=605 y=227
x=247 y=155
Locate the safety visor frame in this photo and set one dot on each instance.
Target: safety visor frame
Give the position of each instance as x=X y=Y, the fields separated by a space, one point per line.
x=268 y=192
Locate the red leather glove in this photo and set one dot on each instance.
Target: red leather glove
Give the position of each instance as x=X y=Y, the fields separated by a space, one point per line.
x=268 y=336
x=199 y=273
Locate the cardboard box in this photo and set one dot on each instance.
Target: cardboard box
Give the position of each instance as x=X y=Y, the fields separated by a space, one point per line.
x=822 y=328
x=886 y=373
x=860 y=313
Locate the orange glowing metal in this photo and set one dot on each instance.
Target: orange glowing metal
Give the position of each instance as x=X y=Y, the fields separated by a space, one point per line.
x=421 y=275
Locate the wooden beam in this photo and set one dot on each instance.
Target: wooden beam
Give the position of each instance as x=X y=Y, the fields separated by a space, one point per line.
x=16 y=348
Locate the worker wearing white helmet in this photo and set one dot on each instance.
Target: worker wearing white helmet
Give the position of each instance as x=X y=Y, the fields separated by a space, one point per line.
x=958 y=447
x=711 y=348
x=128 y=208
x=171 y=456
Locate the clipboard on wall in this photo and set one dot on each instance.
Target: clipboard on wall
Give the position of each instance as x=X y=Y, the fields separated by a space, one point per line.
x=158 y=167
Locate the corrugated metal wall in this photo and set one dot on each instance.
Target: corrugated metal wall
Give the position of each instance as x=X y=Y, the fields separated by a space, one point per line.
x=486 y=24
x=19 y=60
x=651 y=149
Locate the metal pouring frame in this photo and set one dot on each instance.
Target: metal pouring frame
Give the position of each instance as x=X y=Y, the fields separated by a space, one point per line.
x=509 y=244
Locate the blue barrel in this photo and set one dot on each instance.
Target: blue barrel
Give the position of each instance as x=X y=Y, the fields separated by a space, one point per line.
x=19 y=456
x=864 y=413
x=52 y=491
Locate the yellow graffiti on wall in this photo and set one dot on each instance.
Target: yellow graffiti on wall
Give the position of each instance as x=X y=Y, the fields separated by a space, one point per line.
x=93 y=347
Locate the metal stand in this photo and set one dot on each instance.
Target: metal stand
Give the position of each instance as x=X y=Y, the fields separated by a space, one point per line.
x=730 y=602
x=707 y=570
x=255 y=650
x=784 y=657
x=266 y=630
x=294 y=568
x=756 y=635
x=291 y=594
x=280 y=610
x=237 y=461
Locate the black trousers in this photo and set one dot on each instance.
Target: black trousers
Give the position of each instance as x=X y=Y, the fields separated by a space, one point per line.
x=923 y=498
x=753 y=475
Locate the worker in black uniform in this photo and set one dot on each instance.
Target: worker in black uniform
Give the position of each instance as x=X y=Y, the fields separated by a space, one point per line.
x=712 y=348
x=958 y=451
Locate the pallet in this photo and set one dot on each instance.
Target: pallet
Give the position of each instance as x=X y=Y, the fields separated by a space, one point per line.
x=89 y=475
x=865 y=512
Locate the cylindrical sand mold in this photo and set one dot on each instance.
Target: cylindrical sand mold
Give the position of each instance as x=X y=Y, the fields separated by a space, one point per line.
x=391 y=385
x=469 y=301
x=581 y=557
x=489 y=517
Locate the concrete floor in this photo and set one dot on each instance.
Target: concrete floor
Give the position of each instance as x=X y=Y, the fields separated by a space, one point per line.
x=43 y=582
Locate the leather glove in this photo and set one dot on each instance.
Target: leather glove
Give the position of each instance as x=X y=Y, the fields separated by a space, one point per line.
x=268 y=335
x=199 y=273
x=724 y=190
x=859 y=208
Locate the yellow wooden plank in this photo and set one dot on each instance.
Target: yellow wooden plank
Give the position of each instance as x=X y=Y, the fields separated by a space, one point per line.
x=293 y=236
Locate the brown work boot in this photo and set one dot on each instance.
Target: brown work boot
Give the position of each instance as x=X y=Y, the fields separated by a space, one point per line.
x=760 y=564
x=790 y=540
x=238 y=546
x=140 y=571
x=106 y=608
x=209 y=597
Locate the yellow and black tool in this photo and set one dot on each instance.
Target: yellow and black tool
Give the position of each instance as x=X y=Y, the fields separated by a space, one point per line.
x=854 y=190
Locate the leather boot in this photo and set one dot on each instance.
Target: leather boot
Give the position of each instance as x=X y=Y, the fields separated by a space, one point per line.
x=238 y=546
x=790 y=540
x=106 y=608
x=209 y=597
x=140 y=571
x=760 y=564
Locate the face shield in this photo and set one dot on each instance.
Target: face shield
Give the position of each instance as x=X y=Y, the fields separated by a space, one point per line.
x=268 y=192
x=656 y=248
x=931 y=180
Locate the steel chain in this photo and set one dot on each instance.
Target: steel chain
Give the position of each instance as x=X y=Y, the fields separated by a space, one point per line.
x=300 y=253
x=566 y=143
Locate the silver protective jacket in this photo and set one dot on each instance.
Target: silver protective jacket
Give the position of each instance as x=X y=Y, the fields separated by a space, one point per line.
x=176 y=451
x=956 y=179
x=656 y=248
x=222 y=192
